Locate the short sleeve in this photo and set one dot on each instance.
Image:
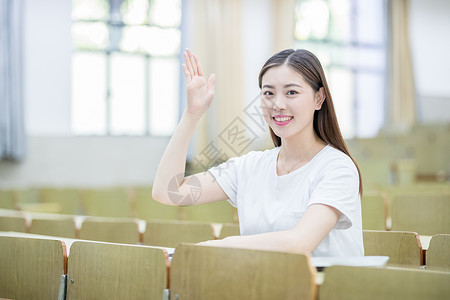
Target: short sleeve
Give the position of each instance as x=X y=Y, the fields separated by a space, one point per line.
x=338 y=187
x=226 y=175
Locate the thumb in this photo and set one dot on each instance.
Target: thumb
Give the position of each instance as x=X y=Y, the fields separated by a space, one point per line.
x=211 y=80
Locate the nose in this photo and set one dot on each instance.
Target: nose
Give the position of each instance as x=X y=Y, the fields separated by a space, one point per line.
x=279 y=103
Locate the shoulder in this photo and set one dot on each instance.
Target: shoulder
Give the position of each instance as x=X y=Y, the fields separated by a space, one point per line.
x=254 y=158
x=334 y=159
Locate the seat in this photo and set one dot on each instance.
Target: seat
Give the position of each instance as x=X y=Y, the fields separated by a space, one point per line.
x=374 y=210
x=201 y=272
x=59 y=226
x=31 y=268
x=111 y=271
x=425 y=214
x=113 y=230
x=403 y=248
x=438 y=253
x=355 y=283
x=172 y=233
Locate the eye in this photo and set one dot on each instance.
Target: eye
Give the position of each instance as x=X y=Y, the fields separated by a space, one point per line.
x=292 y=92
x=267 y=93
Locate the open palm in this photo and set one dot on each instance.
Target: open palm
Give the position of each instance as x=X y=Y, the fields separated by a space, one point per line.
x=200 y=92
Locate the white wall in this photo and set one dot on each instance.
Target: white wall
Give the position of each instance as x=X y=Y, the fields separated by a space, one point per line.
x=430 y=44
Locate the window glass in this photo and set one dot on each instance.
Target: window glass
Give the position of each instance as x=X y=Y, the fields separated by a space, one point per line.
x=126 y=66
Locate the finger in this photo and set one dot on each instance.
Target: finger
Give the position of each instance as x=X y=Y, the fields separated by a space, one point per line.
x=211 y=80
x=188 y=63
x=199 y=66
x=193 y=62
x=186 y=73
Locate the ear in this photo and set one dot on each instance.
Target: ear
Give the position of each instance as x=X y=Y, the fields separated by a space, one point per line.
x=320 y=98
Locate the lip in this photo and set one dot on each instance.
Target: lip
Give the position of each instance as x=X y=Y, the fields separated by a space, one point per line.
x=283 y=123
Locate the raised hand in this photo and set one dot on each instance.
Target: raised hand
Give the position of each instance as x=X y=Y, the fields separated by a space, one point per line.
x=200 y=93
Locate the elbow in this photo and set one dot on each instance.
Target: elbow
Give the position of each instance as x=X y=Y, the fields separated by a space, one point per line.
x=161 y=197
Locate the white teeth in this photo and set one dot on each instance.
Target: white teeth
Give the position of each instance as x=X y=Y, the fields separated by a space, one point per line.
x=283 y=119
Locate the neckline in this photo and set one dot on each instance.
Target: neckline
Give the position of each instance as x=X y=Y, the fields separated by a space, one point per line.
x=296 y=170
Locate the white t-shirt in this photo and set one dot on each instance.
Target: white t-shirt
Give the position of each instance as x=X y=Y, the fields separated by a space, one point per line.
x=267 y=202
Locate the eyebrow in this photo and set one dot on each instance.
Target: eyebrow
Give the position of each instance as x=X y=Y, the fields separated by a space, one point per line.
x=285 y=86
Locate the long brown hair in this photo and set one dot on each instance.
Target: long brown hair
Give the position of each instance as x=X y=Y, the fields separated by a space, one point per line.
x=325 y=122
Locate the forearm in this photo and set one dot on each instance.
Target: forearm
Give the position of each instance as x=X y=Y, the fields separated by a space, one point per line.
x=173 y=161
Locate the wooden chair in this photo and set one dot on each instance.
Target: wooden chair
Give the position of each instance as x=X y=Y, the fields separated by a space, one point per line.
x=201 y=272
x=172 y=233
x=26 y=196
x=229 y=230
x=427 y=215
x=112 y=271
x=112 y=202
x=7 y=200
x=216 y=212
x=68 y=200
x=147 y=209
x=374 y=209
x=31 y=268
x=438 y=253
x=113 y=230
x=355 y=283
x=403 y=248
x=13 y=223
x=57 y=226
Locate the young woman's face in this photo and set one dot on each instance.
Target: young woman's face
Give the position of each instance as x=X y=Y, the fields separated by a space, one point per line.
x=288 y=102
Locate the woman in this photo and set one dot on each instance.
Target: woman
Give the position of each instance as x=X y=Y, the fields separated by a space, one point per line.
x=301 y=196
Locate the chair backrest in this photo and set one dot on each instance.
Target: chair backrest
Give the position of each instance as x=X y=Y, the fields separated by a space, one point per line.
x=31 y=268
x=113 y=230
x=403 y=248
x=355 y=283
x=112 y=271
x=147 y=209
x=229 y=230
x=425 y=214
x=374 y=210
x=172 y=233
x=438 y=253
x=13 y=223
x=216 y=212
x=60 y=227
x=112 y=202
x=7 y=200
x=68 y=200
x=200 y=272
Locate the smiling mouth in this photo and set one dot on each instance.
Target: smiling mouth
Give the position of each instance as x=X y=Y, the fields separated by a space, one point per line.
x=281 y=121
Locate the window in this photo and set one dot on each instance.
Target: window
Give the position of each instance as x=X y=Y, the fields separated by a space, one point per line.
x=349 y=38
x=126 y=66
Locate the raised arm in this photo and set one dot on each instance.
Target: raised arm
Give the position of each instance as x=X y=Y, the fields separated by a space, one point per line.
x=171 y=170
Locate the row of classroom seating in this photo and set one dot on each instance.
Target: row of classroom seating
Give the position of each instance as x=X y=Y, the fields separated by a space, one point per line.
x=403 y=247
x=35 y=267
x=404 y=158
x=421 y=207
x=422 y=212
x=134 y=202
x=116 y=230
